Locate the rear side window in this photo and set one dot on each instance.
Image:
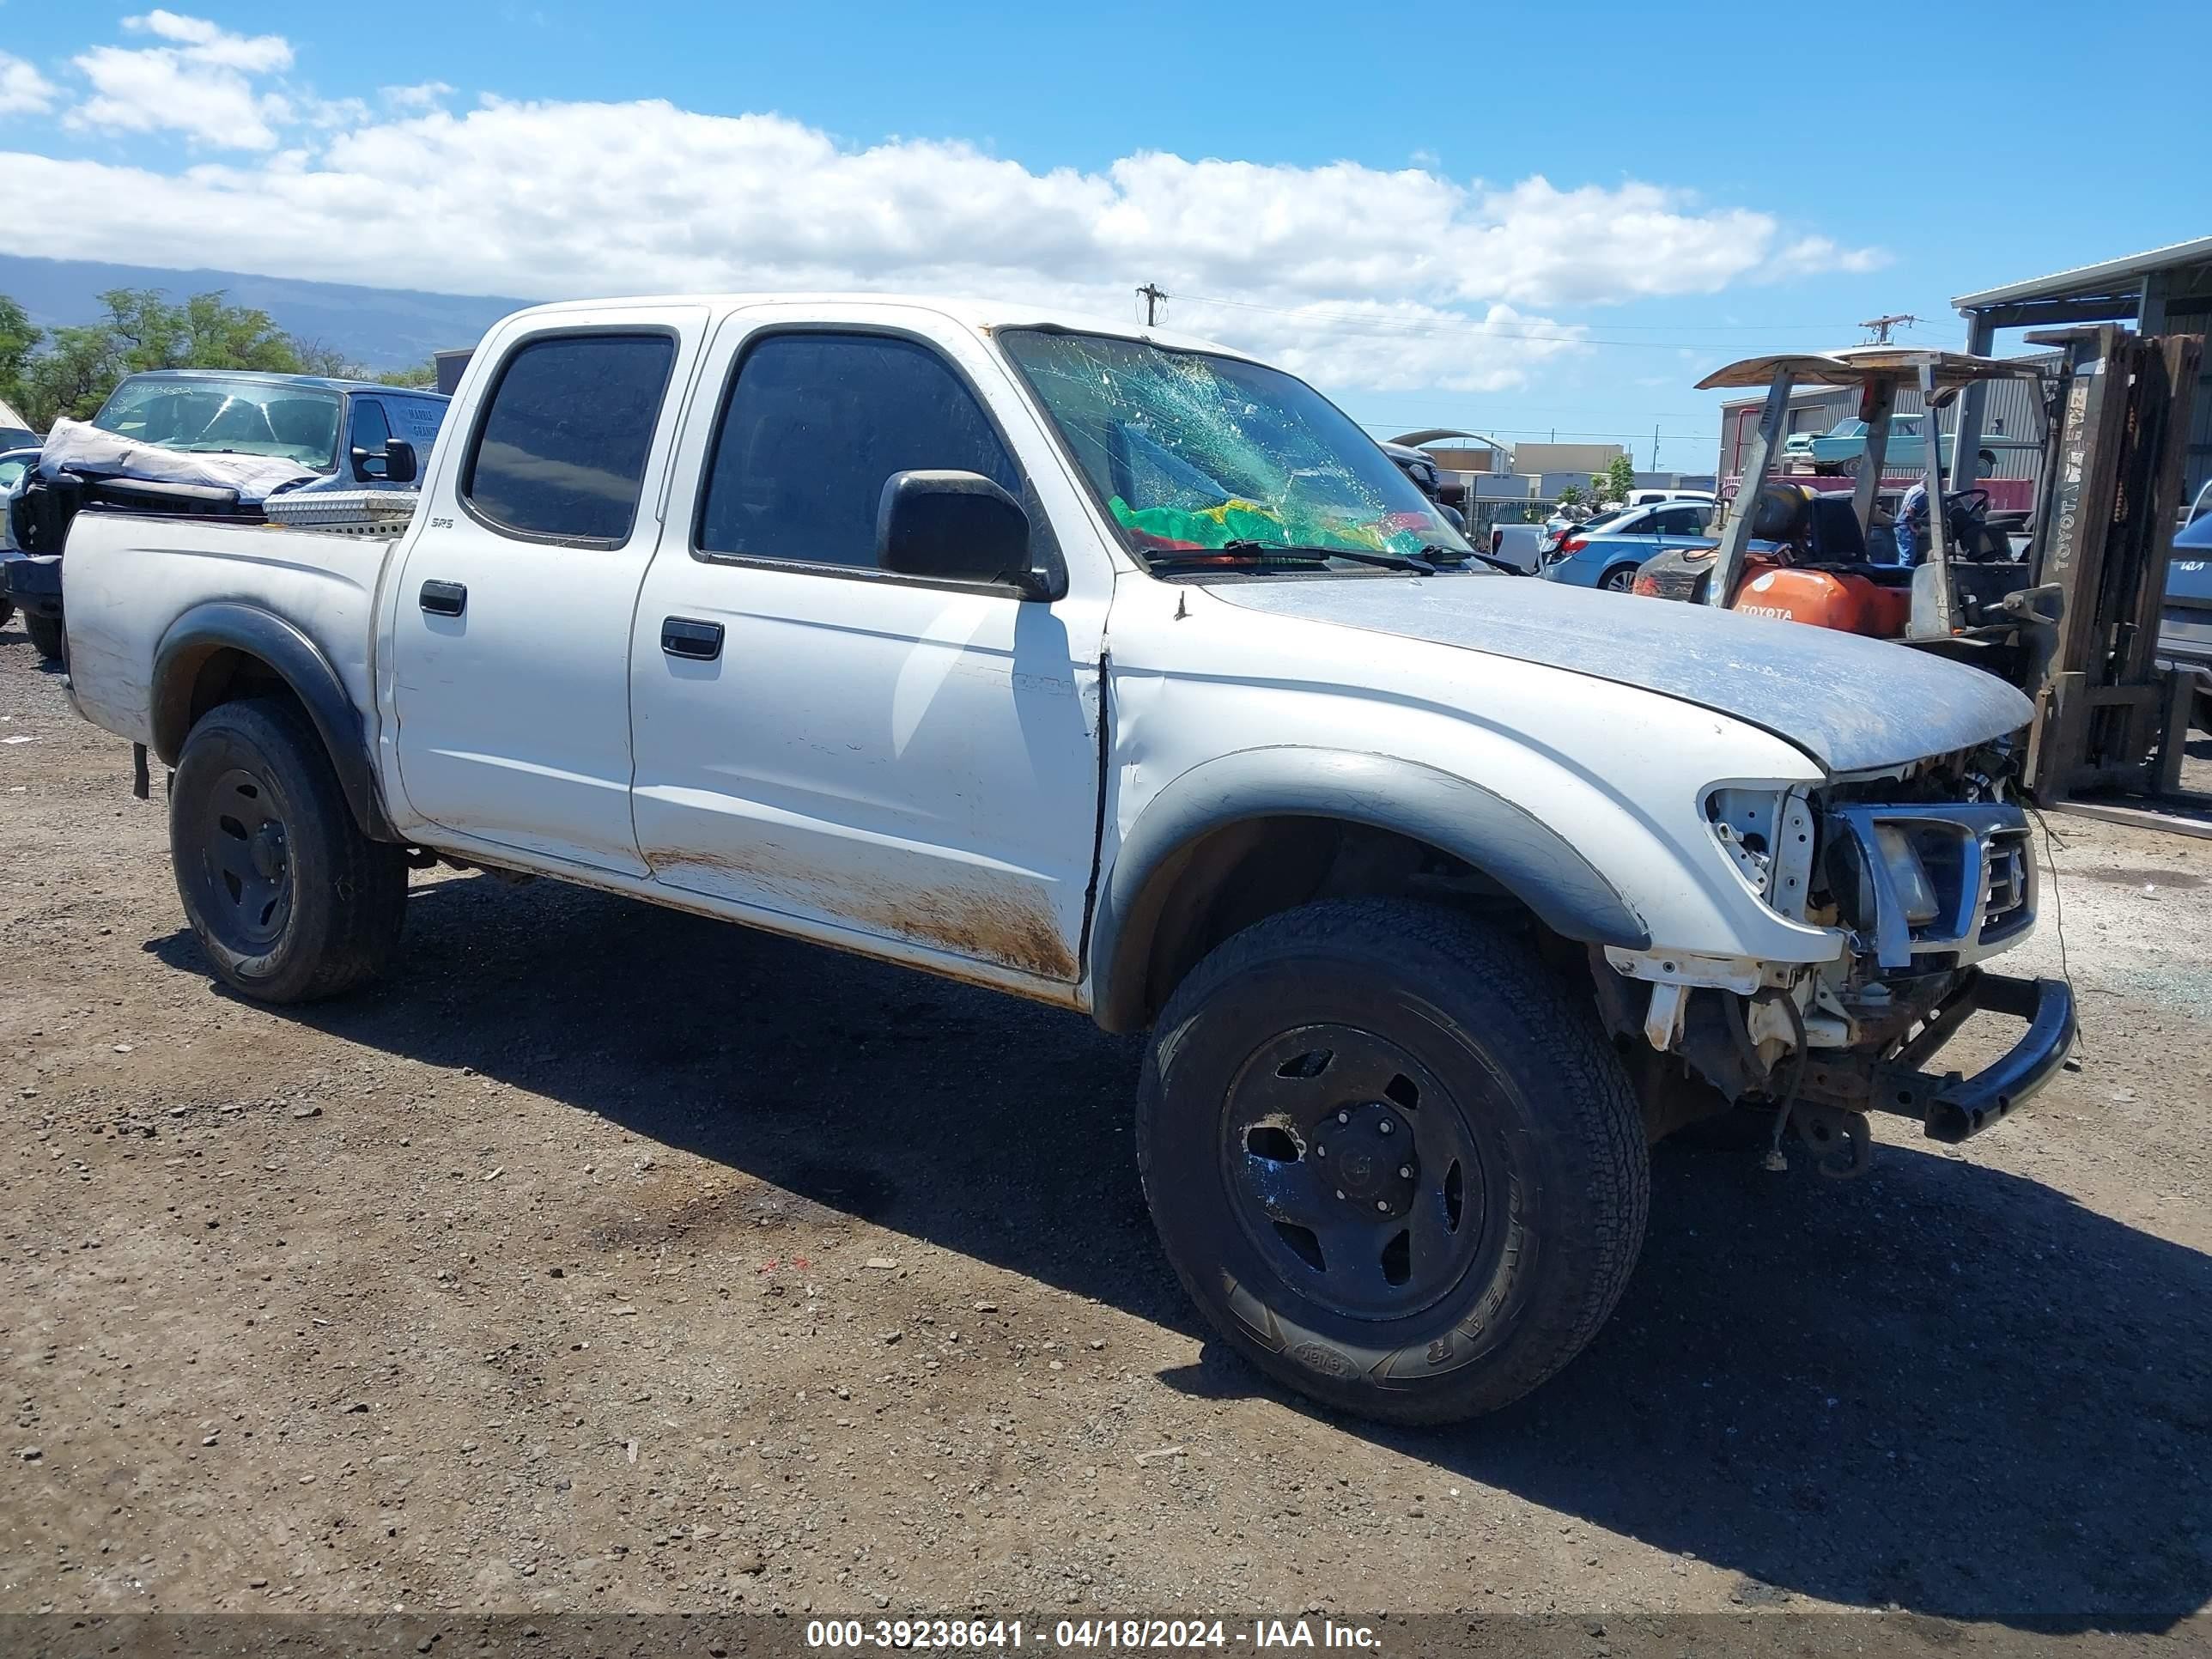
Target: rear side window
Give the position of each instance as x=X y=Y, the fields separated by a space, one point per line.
x=561 y=455
x=814 y=426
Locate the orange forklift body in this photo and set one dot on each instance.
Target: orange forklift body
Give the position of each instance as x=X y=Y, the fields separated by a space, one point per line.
x=1843 y=600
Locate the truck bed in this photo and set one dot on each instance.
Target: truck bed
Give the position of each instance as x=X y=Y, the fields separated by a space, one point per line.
x=127 y=578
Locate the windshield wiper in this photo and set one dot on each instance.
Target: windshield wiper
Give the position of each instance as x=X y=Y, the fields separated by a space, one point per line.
x=1236 y=557
x=1358 y=556
x=1437 y=554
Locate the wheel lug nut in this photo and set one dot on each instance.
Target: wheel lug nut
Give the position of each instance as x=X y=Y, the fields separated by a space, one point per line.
x=1386 y=1126
x=1405 y=1172
x=1381 y=1205
x=1344 y=1117
x=1340 y=1192
x=1320 y=1151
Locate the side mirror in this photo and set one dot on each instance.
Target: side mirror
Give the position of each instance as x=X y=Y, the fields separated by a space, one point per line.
x=393 y=463
x=955 y=526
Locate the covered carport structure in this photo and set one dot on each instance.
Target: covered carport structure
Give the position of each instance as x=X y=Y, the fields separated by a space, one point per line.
x=2166 y=290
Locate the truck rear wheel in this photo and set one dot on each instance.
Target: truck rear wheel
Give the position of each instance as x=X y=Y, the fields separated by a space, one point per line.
x=46 y=635
x=288 y=897
x=1391 y=1158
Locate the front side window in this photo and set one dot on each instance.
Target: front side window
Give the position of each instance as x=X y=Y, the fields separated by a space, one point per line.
x=371 y=431
x=212 y=415
x=1191 y=451
x=562 y=448
x=814 y=426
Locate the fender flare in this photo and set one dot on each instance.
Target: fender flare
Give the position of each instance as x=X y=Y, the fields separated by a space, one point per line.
x=1527 y=857
x=229 y=624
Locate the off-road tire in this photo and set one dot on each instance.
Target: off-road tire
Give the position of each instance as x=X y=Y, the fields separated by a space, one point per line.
x=1543 y=1097
x=344 y=895
x=47 y=636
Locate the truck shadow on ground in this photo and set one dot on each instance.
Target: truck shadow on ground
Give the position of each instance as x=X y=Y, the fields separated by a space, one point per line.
x=1942 y=1387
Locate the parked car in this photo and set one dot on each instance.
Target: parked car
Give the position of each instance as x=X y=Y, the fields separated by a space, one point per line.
x=1652 y=497
x=1842 y=449
x=1606 y=551
x=1421 y=467
x=1402 y=862
x=216 y=443
x=1518 y=545
x=2184 y=631
x=14 y=463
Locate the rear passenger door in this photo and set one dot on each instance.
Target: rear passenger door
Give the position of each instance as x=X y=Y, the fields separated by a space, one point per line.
x=511 y=623
x=829 y=746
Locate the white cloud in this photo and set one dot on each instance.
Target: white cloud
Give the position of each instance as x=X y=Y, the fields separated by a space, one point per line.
x=158 y=91
x=23 y=90
x=425 y=95
x=204 y=42
x=1379 y=278
x=199 y=85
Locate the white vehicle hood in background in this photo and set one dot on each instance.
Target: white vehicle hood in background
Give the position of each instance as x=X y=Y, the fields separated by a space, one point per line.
x=88 y=452
x=1853 y=704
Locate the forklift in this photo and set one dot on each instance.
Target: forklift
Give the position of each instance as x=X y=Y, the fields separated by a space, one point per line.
x=2072 y=618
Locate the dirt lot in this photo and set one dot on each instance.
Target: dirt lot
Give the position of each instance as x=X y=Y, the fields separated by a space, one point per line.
x=612 y=1259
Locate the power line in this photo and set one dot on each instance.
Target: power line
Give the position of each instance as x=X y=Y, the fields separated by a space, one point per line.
x=1152 y=294
x=1357 y=322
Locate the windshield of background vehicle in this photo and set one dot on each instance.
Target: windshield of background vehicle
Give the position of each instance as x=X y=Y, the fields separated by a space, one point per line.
x=1190 y=451
x=230 y=417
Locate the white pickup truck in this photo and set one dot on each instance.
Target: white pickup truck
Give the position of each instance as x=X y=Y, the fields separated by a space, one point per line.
x=1122 y=673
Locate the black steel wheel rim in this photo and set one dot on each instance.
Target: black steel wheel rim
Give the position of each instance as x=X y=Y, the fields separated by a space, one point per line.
x=244 y=864
x=1351 y=1169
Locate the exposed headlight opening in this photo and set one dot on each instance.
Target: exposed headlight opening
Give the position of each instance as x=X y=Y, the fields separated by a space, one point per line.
x=1908 y=876
x=1768 y=833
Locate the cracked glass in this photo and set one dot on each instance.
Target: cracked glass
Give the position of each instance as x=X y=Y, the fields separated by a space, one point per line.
x=1192 y=452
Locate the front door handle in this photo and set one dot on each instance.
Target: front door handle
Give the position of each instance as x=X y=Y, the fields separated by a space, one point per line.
x=701 y=641
x=445 y=599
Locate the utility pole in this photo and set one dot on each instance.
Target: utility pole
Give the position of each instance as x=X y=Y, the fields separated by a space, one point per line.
x=1655 y=449
x=1151 y=295
x=1878 y=327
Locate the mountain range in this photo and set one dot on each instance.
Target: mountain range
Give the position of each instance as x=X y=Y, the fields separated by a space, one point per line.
x=379 y=328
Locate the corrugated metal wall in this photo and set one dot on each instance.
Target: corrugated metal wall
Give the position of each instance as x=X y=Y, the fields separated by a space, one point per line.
x=2011 y=424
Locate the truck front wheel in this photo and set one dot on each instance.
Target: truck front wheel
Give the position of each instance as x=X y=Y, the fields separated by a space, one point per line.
x=1392 y=1158
x=289 y=899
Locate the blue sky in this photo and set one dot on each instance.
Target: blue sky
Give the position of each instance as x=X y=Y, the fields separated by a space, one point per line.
x=1713 y=182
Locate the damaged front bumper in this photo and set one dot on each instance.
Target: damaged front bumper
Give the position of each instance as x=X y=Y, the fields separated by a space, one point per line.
x=31 y=583
x=1951 y=1105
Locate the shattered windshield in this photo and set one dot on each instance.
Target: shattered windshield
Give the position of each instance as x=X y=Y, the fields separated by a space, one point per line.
x=1192 y=452
x=226 y=418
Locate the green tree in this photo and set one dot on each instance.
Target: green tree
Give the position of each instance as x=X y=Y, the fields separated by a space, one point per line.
x=424 y=374
x=19 y=338
x=140 y=329
x=1571 y=496
x=1616 y=481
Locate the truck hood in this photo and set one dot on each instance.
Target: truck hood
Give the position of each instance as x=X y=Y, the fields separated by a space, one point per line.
x=79 y=447
x=1853 y=704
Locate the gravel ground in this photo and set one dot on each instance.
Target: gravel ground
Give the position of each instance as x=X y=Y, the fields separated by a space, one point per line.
x=611 y=1259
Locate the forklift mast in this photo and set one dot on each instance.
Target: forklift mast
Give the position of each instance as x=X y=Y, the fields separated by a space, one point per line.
x=2107 y=719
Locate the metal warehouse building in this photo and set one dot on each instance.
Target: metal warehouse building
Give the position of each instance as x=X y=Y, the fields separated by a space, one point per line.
x=2167 y=290
x=2012 y=427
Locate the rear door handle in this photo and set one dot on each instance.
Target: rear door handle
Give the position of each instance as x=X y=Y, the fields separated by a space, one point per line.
x=701 y=641
x=445 y=599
